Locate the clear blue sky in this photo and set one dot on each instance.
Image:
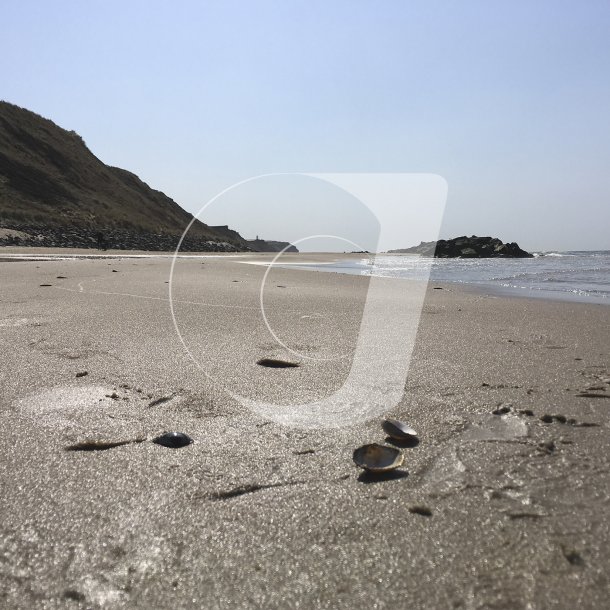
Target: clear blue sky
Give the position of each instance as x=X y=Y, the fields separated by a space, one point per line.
x=508 y=101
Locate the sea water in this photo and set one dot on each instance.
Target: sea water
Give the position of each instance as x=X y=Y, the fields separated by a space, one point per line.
x=581 y=276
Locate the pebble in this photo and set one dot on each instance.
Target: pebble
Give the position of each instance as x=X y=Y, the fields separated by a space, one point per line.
x=173 y=440
x=547 y=447
x=421 y=510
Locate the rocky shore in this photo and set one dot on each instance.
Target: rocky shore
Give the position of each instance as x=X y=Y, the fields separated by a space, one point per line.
x=108 y=239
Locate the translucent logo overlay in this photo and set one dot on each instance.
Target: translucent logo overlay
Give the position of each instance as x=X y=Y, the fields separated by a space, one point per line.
x=351 y=212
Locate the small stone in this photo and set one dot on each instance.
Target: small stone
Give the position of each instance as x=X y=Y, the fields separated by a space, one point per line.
x=573 y=557
x=547 y=419
x=547 y=447
x=502 y=410
x=527 y=412
x=421 y=510
x=82 y=374
x=562 y=419
x=74 y=595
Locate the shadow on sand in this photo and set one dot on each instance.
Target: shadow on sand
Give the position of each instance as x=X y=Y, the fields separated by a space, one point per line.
x=380 y=477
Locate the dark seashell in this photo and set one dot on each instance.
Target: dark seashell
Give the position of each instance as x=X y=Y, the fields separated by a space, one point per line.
x=398 y=430
x=173 y=440
x=275 y=363
x=378 y=458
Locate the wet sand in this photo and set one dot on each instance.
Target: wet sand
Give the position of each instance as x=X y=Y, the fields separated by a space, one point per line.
x=507 y=510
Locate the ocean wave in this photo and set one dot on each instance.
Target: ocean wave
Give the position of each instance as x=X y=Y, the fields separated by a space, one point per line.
x=585 y=276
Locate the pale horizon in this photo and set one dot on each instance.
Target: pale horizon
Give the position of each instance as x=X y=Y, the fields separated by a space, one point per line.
x=507 y=103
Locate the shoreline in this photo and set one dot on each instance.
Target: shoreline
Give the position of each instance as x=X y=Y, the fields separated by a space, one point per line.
x=315 y=259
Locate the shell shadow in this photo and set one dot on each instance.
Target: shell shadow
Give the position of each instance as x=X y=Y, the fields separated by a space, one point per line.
x=406 y=443
x=276 y=363
x=380 y=477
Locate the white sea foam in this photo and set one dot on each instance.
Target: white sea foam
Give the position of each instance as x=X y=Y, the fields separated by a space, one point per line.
x=581 y=275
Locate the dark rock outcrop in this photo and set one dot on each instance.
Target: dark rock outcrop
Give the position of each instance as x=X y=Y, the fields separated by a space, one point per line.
x=110 y=239
x=256 y=245
x=467 y=247
x=263 y=245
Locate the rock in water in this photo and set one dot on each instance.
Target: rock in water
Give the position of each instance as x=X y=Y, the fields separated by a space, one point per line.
x=467 y=247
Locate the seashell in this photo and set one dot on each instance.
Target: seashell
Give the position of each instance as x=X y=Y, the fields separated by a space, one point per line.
x=276 y=363
x=173 y=440
x=378 y=458
x=398 y=430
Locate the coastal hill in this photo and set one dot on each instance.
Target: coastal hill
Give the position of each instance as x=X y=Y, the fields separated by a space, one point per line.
x=466 y=247
x=55 y=192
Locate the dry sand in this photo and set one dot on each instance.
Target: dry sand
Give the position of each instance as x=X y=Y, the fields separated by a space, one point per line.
x=259 y=515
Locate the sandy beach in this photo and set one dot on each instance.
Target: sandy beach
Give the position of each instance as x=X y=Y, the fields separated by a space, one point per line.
x=506 y=510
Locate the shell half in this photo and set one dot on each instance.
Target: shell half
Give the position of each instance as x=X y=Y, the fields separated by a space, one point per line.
x=378 y=458
x=398 y=430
